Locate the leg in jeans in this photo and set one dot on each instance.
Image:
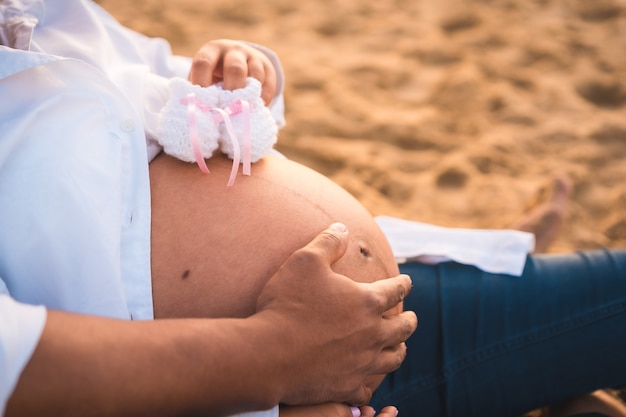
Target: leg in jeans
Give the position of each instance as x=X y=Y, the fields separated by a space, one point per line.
x=496 y=345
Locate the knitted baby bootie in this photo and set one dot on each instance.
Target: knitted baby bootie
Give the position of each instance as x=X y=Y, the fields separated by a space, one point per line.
x=198 y=120
x=252 y=123
x=186 y=115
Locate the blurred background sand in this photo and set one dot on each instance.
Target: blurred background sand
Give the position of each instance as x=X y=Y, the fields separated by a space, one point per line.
x=449 y=112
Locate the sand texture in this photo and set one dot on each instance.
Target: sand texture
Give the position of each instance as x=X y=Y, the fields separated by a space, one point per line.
x=450 y=112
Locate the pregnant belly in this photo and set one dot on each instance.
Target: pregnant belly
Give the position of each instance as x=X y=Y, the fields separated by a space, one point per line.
x=213 y=247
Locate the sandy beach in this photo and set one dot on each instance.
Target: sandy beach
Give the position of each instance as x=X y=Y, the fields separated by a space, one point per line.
x=452 y=112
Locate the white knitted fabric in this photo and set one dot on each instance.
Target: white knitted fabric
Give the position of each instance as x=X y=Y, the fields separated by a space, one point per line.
x=173 y=132
x=263 y=129
x=173 y=129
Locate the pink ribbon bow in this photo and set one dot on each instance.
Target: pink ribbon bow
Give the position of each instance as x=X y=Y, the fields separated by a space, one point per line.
x=222 y=115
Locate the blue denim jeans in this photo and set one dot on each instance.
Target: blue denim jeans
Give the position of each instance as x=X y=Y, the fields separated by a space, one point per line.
x=497 y=345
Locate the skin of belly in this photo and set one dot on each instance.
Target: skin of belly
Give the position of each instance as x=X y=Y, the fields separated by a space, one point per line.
x=213 y=247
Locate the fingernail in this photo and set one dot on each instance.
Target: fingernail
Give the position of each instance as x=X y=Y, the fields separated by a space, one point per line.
x=338 y=227
x=356 y=411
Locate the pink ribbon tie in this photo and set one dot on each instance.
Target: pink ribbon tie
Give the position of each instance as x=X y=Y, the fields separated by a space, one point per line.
x=222 y=116
x=193 y=132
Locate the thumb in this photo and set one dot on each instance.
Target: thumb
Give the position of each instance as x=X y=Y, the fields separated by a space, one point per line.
x=332 y=243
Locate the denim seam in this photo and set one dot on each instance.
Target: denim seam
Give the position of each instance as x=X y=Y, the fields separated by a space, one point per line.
x=537 y=335
x=488 y=353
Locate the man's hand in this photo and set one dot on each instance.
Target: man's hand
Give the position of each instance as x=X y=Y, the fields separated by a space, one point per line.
x=231 y=62
x=335 y=410
x=332 y=331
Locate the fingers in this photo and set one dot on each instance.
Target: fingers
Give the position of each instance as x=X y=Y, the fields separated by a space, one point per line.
x=204 y=65
x=240 y=64
x=329 y=245
x=268 y=85
x=390 y=359
x=399 y=327
x=362 y=396
x=392 y=290
x=235 y=70
x=367 y=411
x=232 y=62
x=388 y=412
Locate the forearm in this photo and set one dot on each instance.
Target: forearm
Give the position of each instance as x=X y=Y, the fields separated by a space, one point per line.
x=300 y=347
x=88 y=366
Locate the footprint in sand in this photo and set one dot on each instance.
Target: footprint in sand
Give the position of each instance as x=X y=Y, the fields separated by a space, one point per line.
x=452 y=178
x=610 y=134
x=459 y=21
x=611 y=138
x=386 y=184
x=617 y=229
x=603 y=93
x=598 y=10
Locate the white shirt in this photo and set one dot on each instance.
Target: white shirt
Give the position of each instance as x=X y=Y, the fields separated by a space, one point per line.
x=74 y=184
x=74 y=193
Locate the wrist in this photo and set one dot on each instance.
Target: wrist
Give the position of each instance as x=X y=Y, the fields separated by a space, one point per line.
x=271 y=358
x=246 y=359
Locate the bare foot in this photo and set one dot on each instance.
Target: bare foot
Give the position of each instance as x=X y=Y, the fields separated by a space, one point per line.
x=596 y=402
x=547 y=214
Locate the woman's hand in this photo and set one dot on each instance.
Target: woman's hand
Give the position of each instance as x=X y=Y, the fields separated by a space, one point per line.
x=335 y=410
x=231 y=62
